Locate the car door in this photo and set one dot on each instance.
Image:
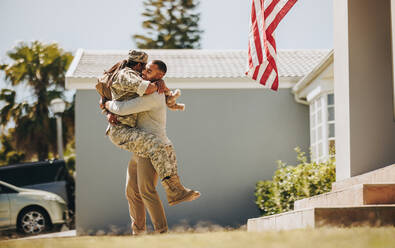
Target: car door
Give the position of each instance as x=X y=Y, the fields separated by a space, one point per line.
x=5 y=209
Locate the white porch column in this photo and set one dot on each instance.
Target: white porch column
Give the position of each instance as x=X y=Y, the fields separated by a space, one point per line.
x=393 y=51
x=365 y=127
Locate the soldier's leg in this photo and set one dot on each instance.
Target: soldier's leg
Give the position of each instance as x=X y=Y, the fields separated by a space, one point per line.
x=175 y=191
x=146 y=145
x=135 y=202
x=162 y=156
x=147 y=179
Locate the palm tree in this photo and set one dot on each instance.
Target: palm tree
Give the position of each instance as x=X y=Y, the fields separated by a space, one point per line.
x=42 y=67
x=11 y=109
x=8 y=155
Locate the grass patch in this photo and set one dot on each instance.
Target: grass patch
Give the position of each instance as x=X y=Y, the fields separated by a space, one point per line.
x=324 y=237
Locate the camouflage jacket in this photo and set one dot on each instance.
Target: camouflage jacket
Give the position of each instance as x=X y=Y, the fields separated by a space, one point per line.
x=127 y=85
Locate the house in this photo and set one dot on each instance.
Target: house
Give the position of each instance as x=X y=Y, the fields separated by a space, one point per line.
x=230 y=136
x=356 y=82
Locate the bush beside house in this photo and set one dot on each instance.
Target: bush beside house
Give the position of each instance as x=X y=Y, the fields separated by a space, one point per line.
x=291 y=183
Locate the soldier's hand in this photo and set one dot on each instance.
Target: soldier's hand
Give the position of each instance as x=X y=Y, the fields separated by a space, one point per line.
x=102 y=103
x=152 y=87
x=161 y=86
x=107 y=105
x=112 y=119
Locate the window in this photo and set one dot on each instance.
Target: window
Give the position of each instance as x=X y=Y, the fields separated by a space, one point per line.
x=6 y=190
x=322 y=127
x=33 y=173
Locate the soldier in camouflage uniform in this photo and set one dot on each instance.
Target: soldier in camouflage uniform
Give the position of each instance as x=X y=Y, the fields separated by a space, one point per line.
x=126 y=84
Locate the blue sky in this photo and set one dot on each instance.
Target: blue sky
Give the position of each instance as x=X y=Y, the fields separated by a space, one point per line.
x=109 y=24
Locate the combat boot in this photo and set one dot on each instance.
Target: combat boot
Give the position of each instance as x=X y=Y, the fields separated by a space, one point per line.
x=176 y=192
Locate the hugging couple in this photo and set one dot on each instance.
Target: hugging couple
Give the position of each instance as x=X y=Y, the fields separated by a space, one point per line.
x=135 y=100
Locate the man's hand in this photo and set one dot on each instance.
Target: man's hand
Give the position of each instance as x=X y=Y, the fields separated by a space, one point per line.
x=112 y=119
x=161 y=86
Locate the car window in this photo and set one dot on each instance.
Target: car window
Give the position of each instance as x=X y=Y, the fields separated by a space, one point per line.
x=61 y=174
x=6 y=190
x=35 y=173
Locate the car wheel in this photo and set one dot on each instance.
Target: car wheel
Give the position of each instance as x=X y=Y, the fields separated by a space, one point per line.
x=33 y=221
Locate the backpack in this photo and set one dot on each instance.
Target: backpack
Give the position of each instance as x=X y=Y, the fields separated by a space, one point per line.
x=102 y=88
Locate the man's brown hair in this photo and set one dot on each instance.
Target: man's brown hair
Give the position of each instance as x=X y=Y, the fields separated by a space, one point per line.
x=161 y=65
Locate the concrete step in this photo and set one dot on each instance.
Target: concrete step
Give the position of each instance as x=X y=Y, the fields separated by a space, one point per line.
x=383 y=175
x=357 y=195
x=377 y=215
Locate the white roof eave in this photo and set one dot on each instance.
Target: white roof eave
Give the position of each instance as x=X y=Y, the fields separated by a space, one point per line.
x=88 y=83
x=306 y=80
x=73 y=67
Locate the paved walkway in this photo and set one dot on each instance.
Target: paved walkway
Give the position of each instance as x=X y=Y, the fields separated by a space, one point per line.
x=69 y=233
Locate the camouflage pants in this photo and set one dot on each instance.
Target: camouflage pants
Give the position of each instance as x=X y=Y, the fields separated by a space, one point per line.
x=146 y=145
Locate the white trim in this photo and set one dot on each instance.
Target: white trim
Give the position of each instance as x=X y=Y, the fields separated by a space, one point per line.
x=313 y=93
x=224 y=85
x=309 y=78
x=73 y=65
x=325 y=139
x=393 y=54
x=325 y=85
x=208 y=83
x=325 y=131
x=314 y=73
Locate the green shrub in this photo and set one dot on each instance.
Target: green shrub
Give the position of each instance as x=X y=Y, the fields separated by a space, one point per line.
x=291 y=183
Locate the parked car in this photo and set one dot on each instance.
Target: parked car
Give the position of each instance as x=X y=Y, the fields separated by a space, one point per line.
x=51 y=176
x=31 y=211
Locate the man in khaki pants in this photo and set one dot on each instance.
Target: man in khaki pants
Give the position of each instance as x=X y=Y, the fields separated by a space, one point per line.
x=141 y=181
x=142 y=177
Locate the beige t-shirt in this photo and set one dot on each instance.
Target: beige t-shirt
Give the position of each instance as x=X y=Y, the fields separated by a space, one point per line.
x=151 y=111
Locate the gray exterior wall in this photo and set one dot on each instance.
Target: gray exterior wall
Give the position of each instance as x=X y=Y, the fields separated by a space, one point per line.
x=226 y=140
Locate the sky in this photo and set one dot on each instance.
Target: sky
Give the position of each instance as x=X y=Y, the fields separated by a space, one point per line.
x=109 y=24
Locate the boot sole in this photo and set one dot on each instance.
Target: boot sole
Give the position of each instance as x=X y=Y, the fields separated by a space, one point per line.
x=190 y=197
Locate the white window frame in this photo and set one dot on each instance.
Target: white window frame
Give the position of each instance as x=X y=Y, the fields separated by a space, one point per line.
x=330 y=122
x=315 y=142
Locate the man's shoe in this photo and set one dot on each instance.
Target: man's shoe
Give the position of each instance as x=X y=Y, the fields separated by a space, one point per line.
x=176 y=192
x=136 y=231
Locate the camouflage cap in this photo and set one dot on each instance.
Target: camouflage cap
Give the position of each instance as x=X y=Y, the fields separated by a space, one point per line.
x=137 y=56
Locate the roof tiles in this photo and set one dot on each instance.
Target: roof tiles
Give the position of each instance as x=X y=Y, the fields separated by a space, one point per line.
x=201 y=63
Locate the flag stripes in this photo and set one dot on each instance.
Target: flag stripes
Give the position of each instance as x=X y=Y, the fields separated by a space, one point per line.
x=262 y=52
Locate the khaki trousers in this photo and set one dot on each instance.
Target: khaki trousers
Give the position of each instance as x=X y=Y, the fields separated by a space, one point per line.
x=141 y=181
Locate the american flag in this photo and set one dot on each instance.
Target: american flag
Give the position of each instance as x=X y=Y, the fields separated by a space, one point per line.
x=262 y=53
